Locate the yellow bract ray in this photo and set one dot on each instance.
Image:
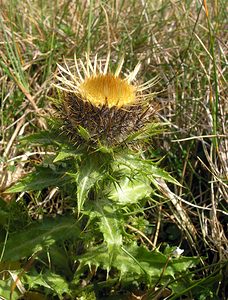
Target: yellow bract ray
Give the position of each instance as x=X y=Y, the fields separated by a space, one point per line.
x=107 y=89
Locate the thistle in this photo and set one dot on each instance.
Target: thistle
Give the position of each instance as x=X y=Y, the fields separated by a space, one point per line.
x=107 y=190
x=107 y=105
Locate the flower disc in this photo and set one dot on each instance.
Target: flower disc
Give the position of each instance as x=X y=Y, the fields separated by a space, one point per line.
x=107 y=89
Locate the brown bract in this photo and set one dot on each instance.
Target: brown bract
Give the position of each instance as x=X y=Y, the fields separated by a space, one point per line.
x=108 y=106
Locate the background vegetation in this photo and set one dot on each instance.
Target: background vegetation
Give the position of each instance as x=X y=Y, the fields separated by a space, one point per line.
x=182 y=42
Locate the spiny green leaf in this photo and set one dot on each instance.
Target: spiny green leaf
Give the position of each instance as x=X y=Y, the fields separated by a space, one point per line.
x=128 y=191
x=146 y=132
x=83 y=133
x=139 y=262
x=39 y=236
x=132 y=185
x=146 y=167
x=40 y=179
x=41 y=138
x=89 y=173
x=154 y=261
x=46 y=138
x=51 y=281
x=109 y=224
x=66 y=153
x=157 y=172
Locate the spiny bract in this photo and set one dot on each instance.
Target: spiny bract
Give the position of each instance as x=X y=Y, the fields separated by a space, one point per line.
x=107 y=106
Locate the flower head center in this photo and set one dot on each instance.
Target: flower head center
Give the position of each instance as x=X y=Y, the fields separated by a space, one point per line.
x=107 y=89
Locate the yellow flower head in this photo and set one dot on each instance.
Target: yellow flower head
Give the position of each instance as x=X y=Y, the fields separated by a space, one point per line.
x=107 y=89
x=108 y=106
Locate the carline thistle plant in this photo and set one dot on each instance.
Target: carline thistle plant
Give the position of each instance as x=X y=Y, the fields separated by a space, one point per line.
x=109 y=107
x=106 y=179
x=100 y=110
